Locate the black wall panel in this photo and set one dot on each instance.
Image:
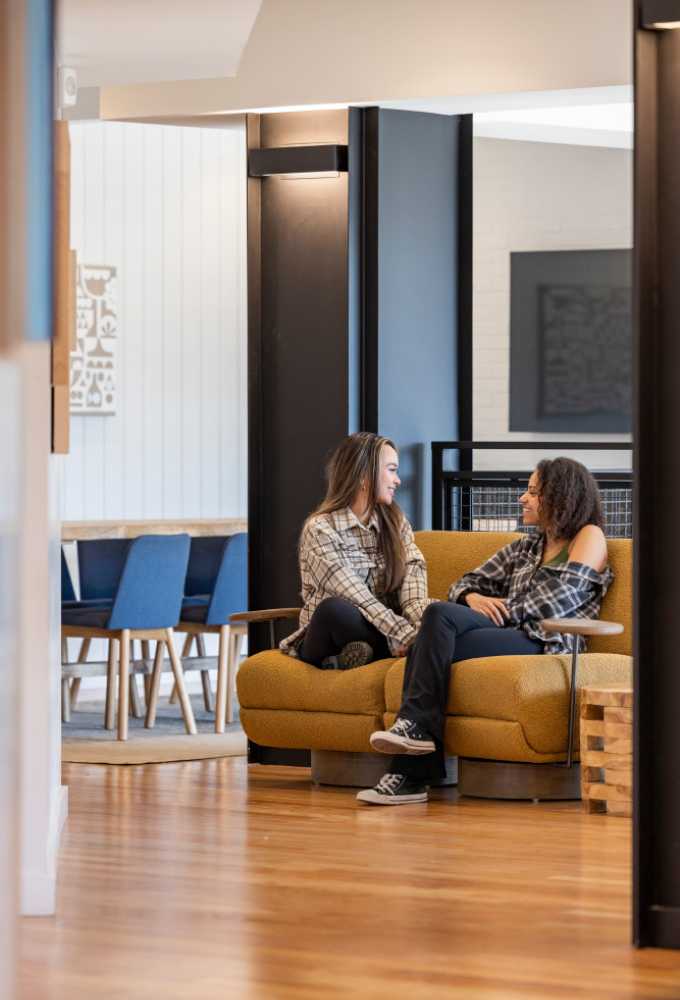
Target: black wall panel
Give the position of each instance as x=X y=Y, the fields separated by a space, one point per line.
x=298 y=349
x=657 y=488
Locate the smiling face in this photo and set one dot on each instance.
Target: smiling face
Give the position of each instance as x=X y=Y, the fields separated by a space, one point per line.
x=388 y=479
x=531 y=501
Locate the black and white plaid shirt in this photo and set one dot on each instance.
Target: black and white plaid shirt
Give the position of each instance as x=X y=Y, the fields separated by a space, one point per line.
x=533 y=592
x=340 y=557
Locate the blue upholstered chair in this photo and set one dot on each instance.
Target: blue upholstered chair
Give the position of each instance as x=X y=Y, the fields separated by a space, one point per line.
x=68 y=591
x=69 y=689
x=146 y=605
x=217 y=587
x=100 y=565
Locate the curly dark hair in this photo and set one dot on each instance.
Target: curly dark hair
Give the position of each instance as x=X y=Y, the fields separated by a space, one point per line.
x=569 y=497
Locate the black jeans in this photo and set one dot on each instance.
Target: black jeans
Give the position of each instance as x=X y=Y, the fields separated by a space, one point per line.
x=448 y=633
x=335 y=623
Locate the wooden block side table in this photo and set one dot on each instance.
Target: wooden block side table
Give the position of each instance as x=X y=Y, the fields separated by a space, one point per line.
x=607 y=750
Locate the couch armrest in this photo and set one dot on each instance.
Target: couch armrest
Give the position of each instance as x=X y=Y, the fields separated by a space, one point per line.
x=581 y=626
x=268 y=615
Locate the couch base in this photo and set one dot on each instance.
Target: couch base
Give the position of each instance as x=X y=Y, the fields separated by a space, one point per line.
x=361 y=770
x=495 y=779
x=282 y=756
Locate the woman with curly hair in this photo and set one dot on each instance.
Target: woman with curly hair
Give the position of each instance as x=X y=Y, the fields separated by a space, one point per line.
x=558 y=571
x=364 y=580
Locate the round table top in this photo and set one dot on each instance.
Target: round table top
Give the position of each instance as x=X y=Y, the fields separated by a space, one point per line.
x=581 y=626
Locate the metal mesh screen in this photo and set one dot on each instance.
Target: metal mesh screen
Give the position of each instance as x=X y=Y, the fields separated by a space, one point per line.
x=497 y=508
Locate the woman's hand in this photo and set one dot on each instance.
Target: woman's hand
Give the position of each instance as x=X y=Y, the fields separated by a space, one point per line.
x=401 y=650
x=494 y=608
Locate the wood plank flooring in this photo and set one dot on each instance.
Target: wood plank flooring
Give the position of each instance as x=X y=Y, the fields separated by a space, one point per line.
x=194 y=880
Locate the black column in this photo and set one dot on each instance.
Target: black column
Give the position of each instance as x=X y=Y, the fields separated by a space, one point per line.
x=657 y=483
x=298 y=347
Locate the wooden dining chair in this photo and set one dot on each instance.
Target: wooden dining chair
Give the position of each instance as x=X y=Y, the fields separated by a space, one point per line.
x=146 y=606
x=217 y=587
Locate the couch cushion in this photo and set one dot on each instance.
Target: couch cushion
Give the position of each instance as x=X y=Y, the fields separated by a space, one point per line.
x=310 y=730
x=450 y=554
x=530 y=690
x=488 y=739
x=273 y=680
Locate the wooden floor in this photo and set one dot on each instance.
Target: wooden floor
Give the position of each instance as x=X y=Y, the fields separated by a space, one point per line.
x=197 y=880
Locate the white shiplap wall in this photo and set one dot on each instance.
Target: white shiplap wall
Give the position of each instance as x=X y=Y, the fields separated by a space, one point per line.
x=535 y=196
x=166 y=206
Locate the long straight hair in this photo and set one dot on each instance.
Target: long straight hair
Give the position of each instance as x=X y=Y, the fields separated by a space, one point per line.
x=356 y=461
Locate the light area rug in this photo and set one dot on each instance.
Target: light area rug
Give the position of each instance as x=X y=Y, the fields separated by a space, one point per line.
x=85 y=741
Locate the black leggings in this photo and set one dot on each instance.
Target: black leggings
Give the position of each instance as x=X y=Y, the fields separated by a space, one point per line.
x=448 y=633
x=335 y=623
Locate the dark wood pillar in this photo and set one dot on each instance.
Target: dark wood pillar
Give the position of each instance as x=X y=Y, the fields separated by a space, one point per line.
x=657 y=478
x=298 y=326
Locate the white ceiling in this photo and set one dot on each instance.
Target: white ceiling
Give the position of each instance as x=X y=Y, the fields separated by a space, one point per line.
x=598 y=116
x=113 y=42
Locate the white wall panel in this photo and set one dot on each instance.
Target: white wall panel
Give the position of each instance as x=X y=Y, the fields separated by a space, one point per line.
x=166 y=207
x=535 y=196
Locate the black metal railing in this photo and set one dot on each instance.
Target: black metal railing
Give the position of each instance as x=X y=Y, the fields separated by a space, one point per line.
x=464 y=499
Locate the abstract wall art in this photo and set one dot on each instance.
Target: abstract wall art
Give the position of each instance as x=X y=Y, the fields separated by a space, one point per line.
x=571 y=341
x=94 y=360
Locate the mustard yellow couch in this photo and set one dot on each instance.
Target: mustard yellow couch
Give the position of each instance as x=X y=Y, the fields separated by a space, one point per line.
x=505 y=710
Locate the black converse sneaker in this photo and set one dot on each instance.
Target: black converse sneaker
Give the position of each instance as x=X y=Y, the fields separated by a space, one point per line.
x=394 y=790
x=404 y=736
x=355 y=654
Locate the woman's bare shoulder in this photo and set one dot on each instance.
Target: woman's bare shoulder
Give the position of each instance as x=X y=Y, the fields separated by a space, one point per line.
x=589 y=546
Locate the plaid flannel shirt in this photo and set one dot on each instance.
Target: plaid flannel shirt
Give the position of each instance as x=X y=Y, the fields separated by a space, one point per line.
x=340 y=557
x=533 y=592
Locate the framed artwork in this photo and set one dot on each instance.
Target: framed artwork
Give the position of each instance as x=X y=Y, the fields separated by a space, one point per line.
x=571 y=341
x=94 y=360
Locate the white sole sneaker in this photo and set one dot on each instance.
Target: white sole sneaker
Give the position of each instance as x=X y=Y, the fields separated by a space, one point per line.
x=388 y=742
x=373 y=798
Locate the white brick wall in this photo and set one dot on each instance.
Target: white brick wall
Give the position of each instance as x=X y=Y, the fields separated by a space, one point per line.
x=535 y=196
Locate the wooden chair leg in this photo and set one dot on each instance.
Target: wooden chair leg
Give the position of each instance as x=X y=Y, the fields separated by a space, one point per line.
x=154 y=687
x=186 y=649
x=146 y=656
x=136 y=709
x=222 y=677
x=110 y=713
x=187 y=710
x=65 y=701
x=205 y=678
x=235 y=643
x=123 y=684
x=75 y=683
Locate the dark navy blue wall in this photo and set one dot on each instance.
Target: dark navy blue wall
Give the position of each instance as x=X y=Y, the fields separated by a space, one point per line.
x=418 y=165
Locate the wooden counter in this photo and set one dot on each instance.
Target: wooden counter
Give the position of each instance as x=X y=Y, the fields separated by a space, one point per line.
x=73 y=530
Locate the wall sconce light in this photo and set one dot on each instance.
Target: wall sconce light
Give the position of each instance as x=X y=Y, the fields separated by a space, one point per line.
x=298 y=161
x=660 y=15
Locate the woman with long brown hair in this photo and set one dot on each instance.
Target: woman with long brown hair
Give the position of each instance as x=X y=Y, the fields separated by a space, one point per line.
x=558 y=571
x=364 y=581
